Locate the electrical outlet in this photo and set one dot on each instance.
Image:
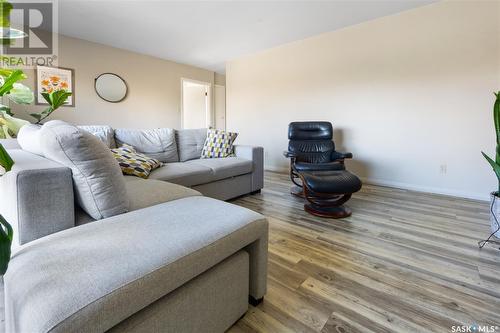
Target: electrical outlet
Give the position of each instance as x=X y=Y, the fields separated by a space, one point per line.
x=443 y=168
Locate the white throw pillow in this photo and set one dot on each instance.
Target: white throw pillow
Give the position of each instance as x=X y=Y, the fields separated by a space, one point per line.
x=29 y=139
x=99 y=185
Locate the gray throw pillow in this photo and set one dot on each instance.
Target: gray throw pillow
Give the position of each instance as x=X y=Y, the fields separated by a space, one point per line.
x=99 y=185
x=105 y=133
x=158 y=143
x=190 y=143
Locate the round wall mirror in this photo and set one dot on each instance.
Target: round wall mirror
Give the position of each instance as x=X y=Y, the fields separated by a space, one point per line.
x=111 y=87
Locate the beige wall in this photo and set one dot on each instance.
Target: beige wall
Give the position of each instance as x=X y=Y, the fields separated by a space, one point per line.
x=154 y=97
x=408 y=94
x=220 y=79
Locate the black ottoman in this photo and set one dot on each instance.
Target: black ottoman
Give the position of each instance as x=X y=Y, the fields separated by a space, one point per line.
x=327 y=191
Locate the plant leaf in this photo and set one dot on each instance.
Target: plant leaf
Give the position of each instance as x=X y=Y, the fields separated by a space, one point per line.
x=59 y=97
x=47 y=97
x=5 y=8
x=6 y=236
x=36 y=116
x=21 y=94
x=6 y=109
x=15 y=76
x=496 y=118
x=6 y=132
x=14 y=124
x=5 y=160
x=55 y=99
x=494 y=165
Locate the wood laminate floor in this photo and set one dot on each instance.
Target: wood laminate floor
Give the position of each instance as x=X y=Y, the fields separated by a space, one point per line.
x=403 y=262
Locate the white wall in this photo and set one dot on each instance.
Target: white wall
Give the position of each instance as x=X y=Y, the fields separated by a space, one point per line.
x=406 y=93
x=154 y=96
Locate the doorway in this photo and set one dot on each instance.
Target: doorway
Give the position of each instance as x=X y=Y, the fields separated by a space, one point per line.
x=196 y=104
x=220 y=107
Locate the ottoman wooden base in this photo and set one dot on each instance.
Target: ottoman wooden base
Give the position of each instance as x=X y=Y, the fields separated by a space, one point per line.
x=330 y=212
x=327 y=191
x=297 y=191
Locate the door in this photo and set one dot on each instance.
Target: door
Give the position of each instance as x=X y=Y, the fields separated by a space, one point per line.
x=196 y=104
x=220 y=107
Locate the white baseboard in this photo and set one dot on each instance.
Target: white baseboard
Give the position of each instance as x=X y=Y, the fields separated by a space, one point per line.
x=276 y=169
x=427 y=189
x=406 y=186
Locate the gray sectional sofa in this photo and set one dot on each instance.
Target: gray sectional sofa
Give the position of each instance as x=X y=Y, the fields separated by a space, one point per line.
x=174 y=261
x=35 y=214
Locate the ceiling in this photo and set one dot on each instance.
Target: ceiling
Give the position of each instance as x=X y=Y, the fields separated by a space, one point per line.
x=206 y=34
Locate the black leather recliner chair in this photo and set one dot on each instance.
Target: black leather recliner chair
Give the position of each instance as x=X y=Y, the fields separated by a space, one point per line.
x=311 y=149
x=324 y=181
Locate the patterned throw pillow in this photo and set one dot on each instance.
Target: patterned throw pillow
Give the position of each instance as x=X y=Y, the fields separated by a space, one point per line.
x=218 y=144
x=133 y=163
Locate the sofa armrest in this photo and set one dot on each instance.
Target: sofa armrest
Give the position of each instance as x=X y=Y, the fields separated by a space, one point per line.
x=10 y=143
x=256 y=155
x=37 y=197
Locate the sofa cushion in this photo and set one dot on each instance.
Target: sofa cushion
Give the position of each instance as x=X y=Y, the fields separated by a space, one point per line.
x=183 y=173
x=157 y=143
x=97 y=177
x=133 y=163
x=105 y=133
x=224 y=167
x=129 y=261
x=190 y=143
x=29 y=139
x=144 y=193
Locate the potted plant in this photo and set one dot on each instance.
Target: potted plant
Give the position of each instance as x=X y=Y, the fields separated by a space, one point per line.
x=495 y=164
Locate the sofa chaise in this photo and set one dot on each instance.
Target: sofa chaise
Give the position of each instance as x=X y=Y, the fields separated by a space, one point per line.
x=173 y=261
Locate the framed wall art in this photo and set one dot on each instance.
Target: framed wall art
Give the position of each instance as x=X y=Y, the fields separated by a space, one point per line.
x=50 y=79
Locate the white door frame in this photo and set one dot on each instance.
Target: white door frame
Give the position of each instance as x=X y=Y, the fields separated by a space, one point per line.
x=210 y=102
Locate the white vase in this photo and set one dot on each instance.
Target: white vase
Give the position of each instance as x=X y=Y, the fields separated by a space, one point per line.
x=495 y=201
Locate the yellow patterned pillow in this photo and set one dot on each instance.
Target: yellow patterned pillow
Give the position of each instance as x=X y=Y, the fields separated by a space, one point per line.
x=218 y=144
x=133 y=163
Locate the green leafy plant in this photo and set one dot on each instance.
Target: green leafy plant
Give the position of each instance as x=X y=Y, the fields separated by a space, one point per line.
x=8 y=79
x=6 y=161
x=56 y=99
x=20 y=94
x=495 y=164
x=6 y=234
x=17 y=93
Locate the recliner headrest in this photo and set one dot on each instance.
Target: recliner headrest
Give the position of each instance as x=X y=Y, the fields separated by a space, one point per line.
x=310 y=130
